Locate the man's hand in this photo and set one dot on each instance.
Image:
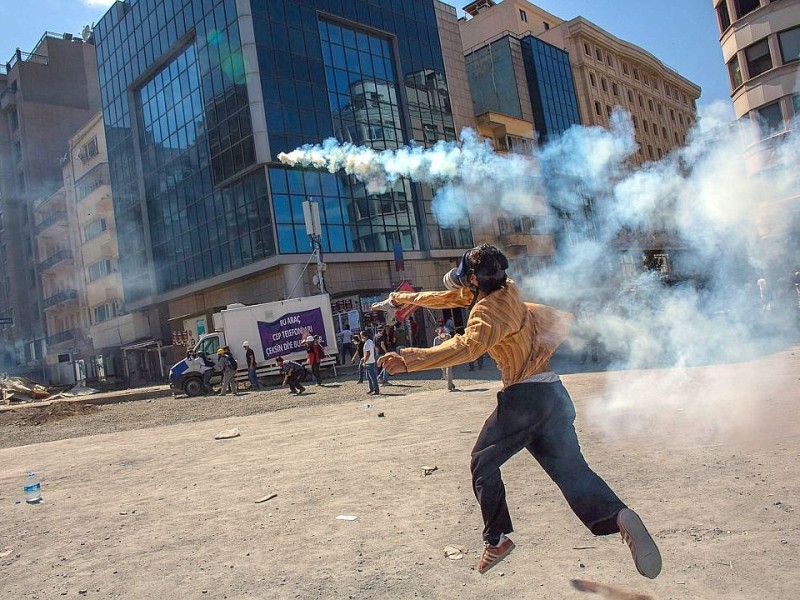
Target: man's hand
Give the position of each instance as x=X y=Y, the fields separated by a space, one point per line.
x=389 y=308
x=393 y=363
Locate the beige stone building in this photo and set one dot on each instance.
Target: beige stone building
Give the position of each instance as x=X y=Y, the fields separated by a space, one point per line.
x=109 y=328
x=606 y=73
x=610 y=72
x=45 y=96
x=760 y=42
x=59 y=272
x=86 y=323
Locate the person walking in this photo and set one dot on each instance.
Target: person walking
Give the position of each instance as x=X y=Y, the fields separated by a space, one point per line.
x=250 y=357
x=534 y=411
x=370 y=364
x=314 y=353
x=294 y=374
x=442 y=335
x=383 y=345
x=346 y=350
x=225 y=364
x=359 y=354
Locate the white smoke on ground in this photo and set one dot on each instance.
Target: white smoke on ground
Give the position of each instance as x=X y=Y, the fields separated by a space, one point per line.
x=701 y=193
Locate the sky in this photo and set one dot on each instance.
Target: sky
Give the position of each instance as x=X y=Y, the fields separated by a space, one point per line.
x=682 y=33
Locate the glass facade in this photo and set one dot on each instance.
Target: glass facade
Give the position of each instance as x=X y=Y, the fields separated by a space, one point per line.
x=174 y=96
x=191 y=201
x=370 y=73
x=551 y=88
x=493 y=79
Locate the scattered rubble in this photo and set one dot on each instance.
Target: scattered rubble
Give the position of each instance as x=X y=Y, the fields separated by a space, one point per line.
x=454 y=552
x=19 y=389
x=265 y=498
x=15 y=390
x=227 y=434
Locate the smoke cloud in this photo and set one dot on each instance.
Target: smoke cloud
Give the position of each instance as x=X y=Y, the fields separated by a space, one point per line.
x=699 y=305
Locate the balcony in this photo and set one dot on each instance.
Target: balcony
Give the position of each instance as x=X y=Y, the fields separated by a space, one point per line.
x=58 y=257
x=95 y=178
x=56 y=217
x=64 y=336
x=59 y=298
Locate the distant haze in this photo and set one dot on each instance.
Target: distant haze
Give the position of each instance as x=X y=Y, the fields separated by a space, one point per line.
x=701 y=193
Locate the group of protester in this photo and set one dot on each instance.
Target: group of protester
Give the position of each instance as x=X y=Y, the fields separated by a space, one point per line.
x=534 y=411
x=225 y=364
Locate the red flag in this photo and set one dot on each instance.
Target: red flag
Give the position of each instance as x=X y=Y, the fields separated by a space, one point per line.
x=404 y=312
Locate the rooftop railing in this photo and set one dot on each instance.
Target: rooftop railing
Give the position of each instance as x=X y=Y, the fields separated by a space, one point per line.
x=20 y=56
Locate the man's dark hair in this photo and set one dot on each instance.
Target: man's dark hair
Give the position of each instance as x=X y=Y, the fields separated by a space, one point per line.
x=489 y=265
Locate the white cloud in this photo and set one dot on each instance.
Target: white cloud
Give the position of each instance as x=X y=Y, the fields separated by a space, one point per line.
x=105 y=3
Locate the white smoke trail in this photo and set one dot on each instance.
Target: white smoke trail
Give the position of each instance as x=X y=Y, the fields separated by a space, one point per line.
x=701 y=194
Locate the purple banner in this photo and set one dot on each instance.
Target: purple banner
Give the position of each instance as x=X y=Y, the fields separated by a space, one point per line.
x=288 y=334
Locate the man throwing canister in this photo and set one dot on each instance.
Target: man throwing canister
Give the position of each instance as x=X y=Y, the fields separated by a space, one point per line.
x=534 y=410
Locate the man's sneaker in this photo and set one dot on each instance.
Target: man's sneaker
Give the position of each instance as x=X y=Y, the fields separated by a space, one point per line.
x=494 y=554
x=644 y=550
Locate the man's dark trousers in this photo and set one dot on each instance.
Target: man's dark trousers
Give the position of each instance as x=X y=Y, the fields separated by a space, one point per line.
x=296 y=379
x=538 y=417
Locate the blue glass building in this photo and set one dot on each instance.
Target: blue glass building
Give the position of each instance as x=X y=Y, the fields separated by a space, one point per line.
x=551 y=87
x=200 y=96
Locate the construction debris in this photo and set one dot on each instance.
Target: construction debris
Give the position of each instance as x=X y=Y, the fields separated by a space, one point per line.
x=19 y=389
x=265 y=498
x=16 y=390
x=227 y=434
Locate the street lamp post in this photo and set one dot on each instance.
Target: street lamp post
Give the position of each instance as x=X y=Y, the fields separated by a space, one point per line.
x=314 y=231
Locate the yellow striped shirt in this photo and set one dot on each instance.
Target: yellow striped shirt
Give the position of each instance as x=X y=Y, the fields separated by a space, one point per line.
x=520 y=336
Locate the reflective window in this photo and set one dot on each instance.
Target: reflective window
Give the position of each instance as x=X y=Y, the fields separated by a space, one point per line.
x=790 y=44
x=734 y=72
x=770 y=119
x=489 y=69
x=744 y=7
x=723 y=16
x=758 y=58
x=362 y=88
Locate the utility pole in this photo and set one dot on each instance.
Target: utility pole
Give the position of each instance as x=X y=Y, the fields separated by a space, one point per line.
x=314 y=231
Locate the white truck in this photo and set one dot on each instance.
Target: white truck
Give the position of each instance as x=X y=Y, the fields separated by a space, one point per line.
x=273 y=329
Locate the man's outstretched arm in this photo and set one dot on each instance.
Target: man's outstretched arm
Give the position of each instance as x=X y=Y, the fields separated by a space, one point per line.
x=444 y=299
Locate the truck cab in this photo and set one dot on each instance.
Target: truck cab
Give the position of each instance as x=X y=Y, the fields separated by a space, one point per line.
x=186 y=377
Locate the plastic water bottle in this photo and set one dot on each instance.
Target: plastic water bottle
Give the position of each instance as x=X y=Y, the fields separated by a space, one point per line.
x=33 y=489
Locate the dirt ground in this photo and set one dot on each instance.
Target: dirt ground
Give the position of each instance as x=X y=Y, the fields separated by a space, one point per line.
x=709 y=456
